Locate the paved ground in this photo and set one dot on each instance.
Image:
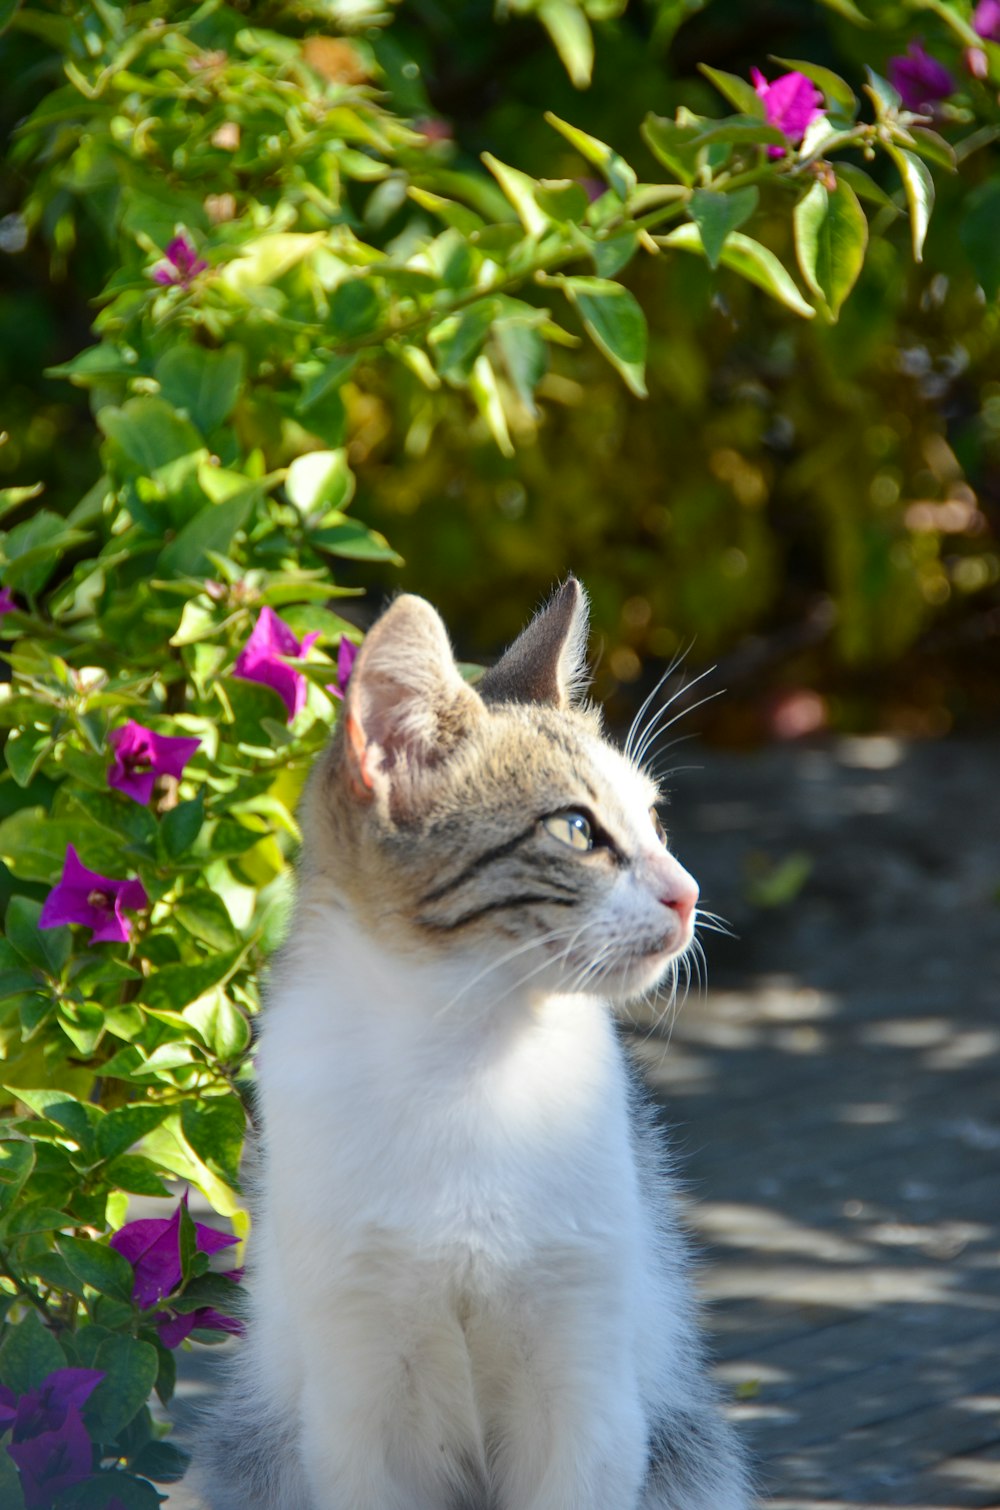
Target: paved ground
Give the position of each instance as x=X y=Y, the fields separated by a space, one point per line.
x=835 y=1100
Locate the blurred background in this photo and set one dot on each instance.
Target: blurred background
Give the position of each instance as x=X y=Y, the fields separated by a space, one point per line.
x=812 y=508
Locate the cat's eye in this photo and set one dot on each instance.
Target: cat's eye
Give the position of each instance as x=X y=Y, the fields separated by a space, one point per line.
x=661 y=832
x=570 y=828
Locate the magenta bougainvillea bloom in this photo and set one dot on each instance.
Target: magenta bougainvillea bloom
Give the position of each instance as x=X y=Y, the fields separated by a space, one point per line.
x=262 y=659
x=96 y=901
x=49 y=1442
x=986 y=20
x=7 y=604
x=919 y=80
x=181 y=264
x=347 y=654
x=141 y=756
x=791 y=103
x=152 y=1246
x=173 y=1328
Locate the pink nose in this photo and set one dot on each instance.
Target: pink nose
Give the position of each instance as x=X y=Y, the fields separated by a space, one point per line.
x=683 y=903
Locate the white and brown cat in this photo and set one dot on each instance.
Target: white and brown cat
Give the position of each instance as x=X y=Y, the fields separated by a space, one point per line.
x=467 y=1291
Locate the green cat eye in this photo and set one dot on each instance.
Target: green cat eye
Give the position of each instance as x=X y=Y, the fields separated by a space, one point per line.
x=570 y=828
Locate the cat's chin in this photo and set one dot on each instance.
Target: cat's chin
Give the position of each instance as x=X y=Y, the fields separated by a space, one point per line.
x=643 y=973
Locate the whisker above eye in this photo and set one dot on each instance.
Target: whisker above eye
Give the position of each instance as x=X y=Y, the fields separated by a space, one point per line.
x=634 y=727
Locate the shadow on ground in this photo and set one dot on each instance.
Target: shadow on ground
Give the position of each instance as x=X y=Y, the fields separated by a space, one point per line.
x=834 y=1101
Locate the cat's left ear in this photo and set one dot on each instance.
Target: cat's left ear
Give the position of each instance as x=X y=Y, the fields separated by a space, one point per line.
x=547 y=663
x=407 y=705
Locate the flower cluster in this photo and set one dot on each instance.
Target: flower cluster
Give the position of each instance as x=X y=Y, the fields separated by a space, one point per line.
x=49 y=1442
x=141 y=756
x=152 y=1246
x=791 y=103
x=264 y=658
x=84 y=896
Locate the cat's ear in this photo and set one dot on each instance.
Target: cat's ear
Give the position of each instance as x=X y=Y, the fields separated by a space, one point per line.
x=406 y=704
x=547 y=663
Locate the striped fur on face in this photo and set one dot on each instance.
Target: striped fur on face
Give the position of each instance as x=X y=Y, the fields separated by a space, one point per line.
x=496 y=826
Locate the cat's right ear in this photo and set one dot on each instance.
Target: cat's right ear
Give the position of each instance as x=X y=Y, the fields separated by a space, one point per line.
x=406 y=704
x=547 y=663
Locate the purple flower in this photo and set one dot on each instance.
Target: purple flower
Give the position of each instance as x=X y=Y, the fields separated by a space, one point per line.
x=791 y=104
x=919 y=80
x=53 y=1461
x=141 y=756
x=262 y=660
x=181 y=264
x=174 y=1328
x=986 y=20
x=7 y=604
x=347 y=654
x=49 y=1442
x=152 y=1246
x=83 y=896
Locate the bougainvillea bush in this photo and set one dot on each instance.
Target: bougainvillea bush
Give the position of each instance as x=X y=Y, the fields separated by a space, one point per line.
x=283 y=235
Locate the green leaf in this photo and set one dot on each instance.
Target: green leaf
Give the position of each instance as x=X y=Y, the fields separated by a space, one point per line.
x=717 y=215
x=520 y=190
x=615 y=323
x=979 y=234
x=106 y=1486
x=25 y=752
x=206 y=917
x=17 y=1160
x=865 y=187
x=181 y=826
x=320 y=480
x=149 y=432
x=215 y=1130
x=33 y=845
x=486 y=393
x=751 y=260
x=837 y=91
x=354 y=308
x=12 y=498
x=47 y=949
x=222 y=1026
x=204 y=383
x=130 y=1369
x=563 y=199
x=99 y=1266
x=163 y=1462
x=174 y=987
x=614 y=168
x=31 y=551
x=524 y=355
x=29 y=1353
x=934 y=147
x=123 y=1126
x=267 y=259
x=64 y=1110
x=210 y=532
x=354 y=542
x=613 y=253
x=567 y=25
x=673 y=145
x=919 y=188
x=458 y=339
x=849 y=10
x=137 y=1175
x=831 y=234
x=739 y=92
x=11 y=1494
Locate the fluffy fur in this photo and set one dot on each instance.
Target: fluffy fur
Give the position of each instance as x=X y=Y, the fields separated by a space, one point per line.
x=466 y=1289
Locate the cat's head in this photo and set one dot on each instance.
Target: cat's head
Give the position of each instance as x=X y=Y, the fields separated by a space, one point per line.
x=495 y=824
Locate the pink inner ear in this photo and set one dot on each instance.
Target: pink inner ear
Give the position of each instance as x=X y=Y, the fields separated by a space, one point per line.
x=357 y=759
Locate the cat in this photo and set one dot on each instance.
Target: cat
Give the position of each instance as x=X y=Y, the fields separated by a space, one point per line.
x=467 y=1291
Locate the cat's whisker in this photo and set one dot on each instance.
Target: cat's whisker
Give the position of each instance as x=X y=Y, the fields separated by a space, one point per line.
x=497 y=964
x=635 y=726
x=682 y=713
x=650 y=729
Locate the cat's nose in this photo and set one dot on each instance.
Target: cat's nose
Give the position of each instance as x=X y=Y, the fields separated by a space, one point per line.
x=683 y=901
